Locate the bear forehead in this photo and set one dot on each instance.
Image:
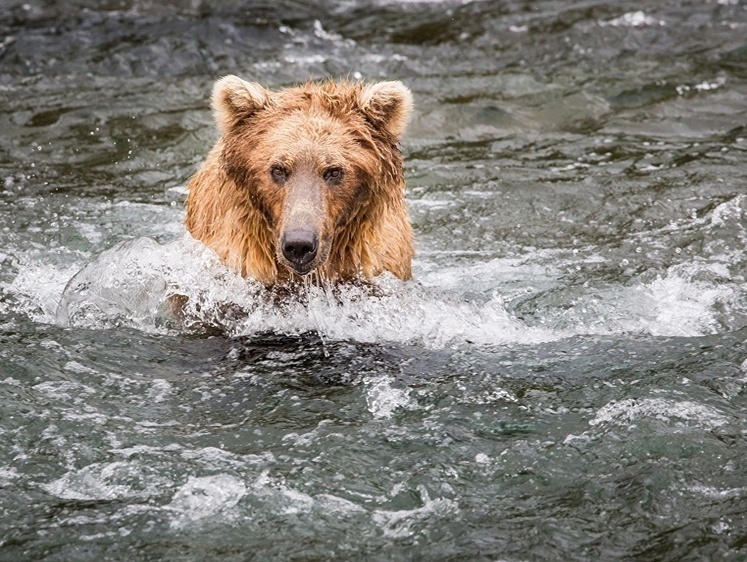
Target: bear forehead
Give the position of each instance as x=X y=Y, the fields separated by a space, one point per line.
x=307 y=132
x=324 y=107
x=307 y=124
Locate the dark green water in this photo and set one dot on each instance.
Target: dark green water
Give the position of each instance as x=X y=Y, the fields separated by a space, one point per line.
x=566 y=379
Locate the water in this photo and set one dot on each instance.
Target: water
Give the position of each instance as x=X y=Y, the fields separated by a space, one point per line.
x=566 y=378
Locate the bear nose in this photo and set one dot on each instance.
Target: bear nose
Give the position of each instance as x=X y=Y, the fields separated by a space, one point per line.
x=299 y=246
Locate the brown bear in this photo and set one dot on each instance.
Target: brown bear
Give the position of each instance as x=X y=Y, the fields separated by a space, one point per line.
x=305 y=179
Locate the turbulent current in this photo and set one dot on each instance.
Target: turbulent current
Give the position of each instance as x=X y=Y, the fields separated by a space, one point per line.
x=564 y=379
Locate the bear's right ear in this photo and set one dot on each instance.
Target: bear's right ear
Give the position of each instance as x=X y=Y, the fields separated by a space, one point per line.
x=235 y=99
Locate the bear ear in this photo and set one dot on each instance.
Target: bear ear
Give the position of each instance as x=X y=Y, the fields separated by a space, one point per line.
x=387 y=105
x=235 y=99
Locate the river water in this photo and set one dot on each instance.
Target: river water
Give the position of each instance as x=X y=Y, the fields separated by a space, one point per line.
x=565 y=378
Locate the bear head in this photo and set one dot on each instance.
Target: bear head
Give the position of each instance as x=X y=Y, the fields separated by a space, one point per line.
x=308 y=177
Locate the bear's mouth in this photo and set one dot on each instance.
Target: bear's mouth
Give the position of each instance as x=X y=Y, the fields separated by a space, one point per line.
x=302 y=270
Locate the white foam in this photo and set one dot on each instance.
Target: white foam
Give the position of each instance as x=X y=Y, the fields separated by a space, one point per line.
x=632 y=19
x=76 y=367
x=281 y=497
x=132 y=282
x=713 y=493
x=732 y=211
x=37 y=289
x=673 y=304
x=108 y=481
x=676 y=412
x=205 y=496
x=160 y=390
x=399 y=523
x=383 y=399
x=8 y=475
x=64 y=390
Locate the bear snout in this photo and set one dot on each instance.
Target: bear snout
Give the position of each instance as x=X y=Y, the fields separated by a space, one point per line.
x=300 y=248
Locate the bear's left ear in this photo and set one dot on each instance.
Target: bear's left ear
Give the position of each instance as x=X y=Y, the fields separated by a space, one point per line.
x=235 y=99
x=387 y=105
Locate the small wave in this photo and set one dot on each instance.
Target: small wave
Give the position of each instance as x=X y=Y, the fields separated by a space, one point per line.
x=206 y=496
x=686 y=300
x=397 y=524
x=108 y=481
x=679 y=413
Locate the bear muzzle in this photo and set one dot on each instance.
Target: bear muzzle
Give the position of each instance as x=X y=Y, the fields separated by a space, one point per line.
x=300 y=247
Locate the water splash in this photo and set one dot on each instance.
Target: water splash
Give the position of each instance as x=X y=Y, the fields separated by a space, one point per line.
x=184 y=286
x=206 y=496
x=136 y=284
x=630 y=411
x=109 y=481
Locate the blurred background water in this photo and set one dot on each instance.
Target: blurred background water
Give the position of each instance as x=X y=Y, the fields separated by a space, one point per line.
x=566 y=378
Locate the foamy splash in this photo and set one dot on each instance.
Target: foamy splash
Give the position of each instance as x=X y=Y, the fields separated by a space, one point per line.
x=134 y=282
x=139 y=283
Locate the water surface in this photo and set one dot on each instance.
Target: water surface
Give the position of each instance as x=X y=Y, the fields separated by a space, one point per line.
x=566 y=378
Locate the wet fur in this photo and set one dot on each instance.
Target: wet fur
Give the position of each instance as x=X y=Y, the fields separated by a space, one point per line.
x=235 y=208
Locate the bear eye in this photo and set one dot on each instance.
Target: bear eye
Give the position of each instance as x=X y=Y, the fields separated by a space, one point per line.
x=278 y=173
x=333 y=175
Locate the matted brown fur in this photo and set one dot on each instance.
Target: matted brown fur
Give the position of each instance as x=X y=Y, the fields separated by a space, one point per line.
x=322 y=156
